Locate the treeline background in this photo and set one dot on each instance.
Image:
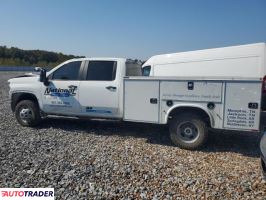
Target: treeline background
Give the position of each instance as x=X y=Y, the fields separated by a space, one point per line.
x=18 y=57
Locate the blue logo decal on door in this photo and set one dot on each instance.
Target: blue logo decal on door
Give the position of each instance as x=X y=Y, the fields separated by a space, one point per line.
x=59 y=92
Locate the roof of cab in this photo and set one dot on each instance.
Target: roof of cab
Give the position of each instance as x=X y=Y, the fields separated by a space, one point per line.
x=96 y=58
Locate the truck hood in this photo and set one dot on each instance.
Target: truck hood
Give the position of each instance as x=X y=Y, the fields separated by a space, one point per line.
x=27 y=75
x=26 y=78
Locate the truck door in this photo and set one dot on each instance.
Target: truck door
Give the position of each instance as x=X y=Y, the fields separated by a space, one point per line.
x=98 y=94
x=61 y=95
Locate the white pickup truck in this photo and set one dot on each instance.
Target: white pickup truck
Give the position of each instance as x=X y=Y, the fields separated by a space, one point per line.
x=193 y=91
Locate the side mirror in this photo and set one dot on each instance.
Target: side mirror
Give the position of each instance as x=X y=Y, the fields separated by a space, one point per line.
x=37 y=69
x=43 y=77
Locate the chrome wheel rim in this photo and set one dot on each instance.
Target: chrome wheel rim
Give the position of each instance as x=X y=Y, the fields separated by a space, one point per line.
x=26 y=114
x=188 y=132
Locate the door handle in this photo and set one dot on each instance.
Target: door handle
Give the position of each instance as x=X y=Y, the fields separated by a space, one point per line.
x=112 y=88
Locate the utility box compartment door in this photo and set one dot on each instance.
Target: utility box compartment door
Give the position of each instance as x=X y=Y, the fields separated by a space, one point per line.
x=242 y=105
x=196 y=91
x=141 y=101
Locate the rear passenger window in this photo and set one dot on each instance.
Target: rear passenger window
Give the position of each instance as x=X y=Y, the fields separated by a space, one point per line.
x=69 y=71
x=101 y=71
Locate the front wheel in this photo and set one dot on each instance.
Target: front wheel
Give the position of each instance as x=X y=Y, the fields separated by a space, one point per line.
x=188 y=131
x=27 y=113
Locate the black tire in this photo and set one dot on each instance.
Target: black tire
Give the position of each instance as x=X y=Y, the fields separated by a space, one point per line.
x=188 y=131
x=33 y=113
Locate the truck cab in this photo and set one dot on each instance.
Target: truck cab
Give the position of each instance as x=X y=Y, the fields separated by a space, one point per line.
x=84 y=87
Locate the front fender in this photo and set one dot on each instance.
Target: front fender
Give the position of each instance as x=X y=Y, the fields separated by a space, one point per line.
x=18 y=96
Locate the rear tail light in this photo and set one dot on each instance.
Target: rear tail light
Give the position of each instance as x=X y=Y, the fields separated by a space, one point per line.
x=264 y=85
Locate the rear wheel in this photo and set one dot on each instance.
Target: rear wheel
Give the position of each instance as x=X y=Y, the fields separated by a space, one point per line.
x=188 y=131
x=27 y=113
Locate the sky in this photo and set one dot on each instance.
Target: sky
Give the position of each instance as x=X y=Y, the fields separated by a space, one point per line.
x=130 y=29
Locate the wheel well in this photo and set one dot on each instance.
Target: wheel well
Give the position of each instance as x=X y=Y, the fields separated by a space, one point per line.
x=198 y=111
x=17 y=97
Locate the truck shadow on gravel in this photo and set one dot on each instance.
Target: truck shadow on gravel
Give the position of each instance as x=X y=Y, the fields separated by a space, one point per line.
x=243 y=143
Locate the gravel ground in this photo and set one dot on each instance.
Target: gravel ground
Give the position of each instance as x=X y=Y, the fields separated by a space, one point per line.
x=117 y=160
